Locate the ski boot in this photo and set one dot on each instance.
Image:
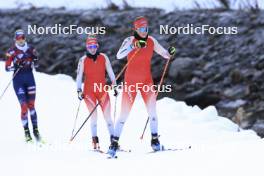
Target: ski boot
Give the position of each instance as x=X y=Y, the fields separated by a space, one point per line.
x=95 y=143
x=155 y=144
x=113 y=147
x=28 y=137
x=36 y=134
x=111 y=140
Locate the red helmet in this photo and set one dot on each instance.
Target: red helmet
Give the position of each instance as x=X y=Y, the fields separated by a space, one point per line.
x=140 y=22
x=91 y=40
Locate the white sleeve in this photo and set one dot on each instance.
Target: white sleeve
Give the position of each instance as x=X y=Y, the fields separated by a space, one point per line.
x=80 y=73
x=109 y=69
x=159 y=49
x=125 y=48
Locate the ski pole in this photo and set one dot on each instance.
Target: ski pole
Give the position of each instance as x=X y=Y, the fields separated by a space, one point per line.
x=104 y=96
x=75 y=120
x=9 y=83
x=141 y=137
x=72 y=138
x=160 y=83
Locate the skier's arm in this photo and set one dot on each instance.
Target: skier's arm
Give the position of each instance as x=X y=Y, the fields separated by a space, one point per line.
x=109 y=69
x=9 y=60
x=80 y=73
x=160 y=50
x=125 y=49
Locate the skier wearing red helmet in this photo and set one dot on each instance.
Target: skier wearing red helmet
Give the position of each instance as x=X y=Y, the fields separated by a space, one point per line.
x=93 y=66
x=139 y=50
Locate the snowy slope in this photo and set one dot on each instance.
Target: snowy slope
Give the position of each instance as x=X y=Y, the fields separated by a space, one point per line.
x=217 y=147
x=168 y=5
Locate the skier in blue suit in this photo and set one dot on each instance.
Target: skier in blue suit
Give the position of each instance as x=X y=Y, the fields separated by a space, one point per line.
x=21 y=58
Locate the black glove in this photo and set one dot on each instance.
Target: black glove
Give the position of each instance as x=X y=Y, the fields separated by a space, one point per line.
x=172 y=50
x=115 y=91
x=21 y=64
x=10 y=68
x=140 y=44
x=80 y=94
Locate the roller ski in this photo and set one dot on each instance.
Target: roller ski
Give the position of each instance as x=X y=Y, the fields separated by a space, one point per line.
x=157 y=147
x=39 y=141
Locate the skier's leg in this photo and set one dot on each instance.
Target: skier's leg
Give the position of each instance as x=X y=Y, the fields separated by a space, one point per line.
x=31 y=95
x=106 y=108
x=128 y=99
x=149 y=98
x=24 y=112
x=90 y=101
x=21 y=96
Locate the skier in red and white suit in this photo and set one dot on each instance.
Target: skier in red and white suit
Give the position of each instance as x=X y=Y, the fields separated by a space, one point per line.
x=93 y=66
x=139 y=49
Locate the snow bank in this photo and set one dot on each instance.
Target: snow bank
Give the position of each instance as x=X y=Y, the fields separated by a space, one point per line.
x=217 y=147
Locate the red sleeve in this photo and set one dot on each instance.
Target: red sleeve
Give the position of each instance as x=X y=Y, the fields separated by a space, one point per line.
x=9 y=59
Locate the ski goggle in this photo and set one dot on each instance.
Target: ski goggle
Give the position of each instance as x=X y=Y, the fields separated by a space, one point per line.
x=91 y=46
x=142 y=29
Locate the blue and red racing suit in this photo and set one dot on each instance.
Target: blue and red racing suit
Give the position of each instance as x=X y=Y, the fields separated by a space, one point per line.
x=21 y=60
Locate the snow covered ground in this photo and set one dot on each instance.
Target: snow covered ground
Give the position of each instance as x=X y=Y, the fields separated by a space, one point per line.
x=167 y=5
x=217 y=147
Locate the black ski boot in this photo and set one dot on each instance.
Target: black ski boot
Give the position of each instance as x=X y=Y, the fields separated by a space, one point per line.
x=111 y=140
x=36 y=134
x=155 y=144
x=28 y=137
x=113 y=146
x=95 y=143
